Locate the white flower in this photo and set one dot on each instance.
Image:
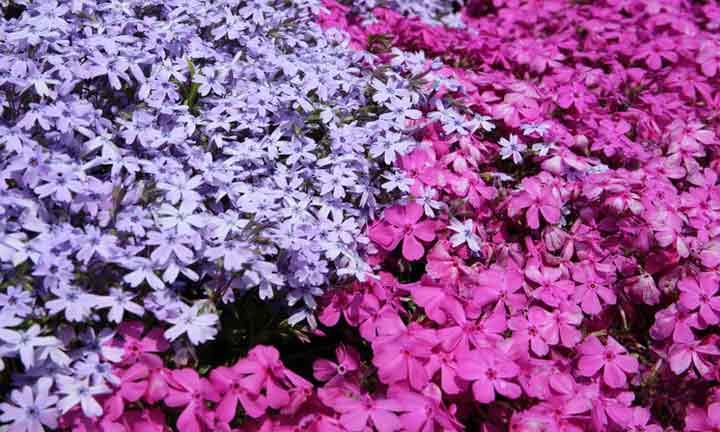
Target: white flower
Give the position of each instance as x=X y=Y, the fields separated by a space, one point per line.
x=8 y=320
x=390 y=92
x=429 y=203
x=33 y=408
x=99 y=372
x=390 y=146
x=79 y=391
x=397 y=180
x=143 y=271
x=25 y=342
x=182 y=219
x=542 y=148
x=464 y=234
x=119 y=301
x=485 y=123
x=540 y=128
x=512 y=148
x=200 y=327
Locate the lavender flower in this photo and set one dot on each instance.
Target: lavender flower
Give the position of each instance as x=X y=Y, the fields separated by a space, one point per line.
x=32 y=408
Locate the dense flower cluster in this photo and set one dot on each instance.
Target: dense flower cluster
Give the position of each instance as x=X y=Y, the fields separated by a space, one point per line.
x=160 y=159
x=569 y=279
x=505 y=215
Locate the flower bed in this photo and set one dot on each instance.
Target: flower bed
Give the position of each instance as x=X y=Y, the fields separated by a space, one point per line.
x=267 y=215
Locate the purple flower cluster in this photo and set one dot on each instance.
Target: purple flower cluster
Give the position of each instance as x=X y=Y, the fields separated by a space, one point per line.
x=160 y=158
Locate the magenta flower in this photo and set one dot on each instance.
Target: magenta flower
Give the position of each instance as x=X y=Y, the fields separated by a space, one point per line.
x=501 y=286
x=709 y=58
x=489 y=374
x=612 y=358
x=574 y=94
x=483 y=332
x=535 y=329
x=403 y=356
x=699 y=293
x=656 y=51
x=137 y=347
x=348 y=361
x=232 y=389
x=263 y=370
x=438 y=302
x=551 y=288
x=356 y=414
x=189 y=391
x=703 y=420
x=403 y=223
x=635 y=419
x=682 y=355
x=675 y=320
x=592 y=287
x=537 y=199
x=423 y=412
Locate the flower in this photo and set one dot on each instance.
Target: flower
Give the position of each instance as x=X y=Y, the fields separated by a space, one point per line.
x=199 y=326
x=331 y=372
x=464 y=234
x=682 y=355
x=24 y=342
x=189 y=391
x=612 y=358
x=356 y=414
x=512 y=148
x=79 y=391
x=537 y=199
x=698 y=293
x=489 y=374
x=118 y=302
x=33 y=408
x=403 y=223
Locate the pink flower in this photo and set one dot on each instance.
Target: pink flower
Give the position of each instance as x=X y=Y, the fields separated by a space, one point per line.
x=438 y=302
x=230 y=385
x=490 y=374
x=551 y=288
x=677 y=321
x=635 y=419
x=446 y=363
x=683 y=354
x=403 y=356
x=478 y=333
x=380 y=413
x=516 y=108
x=263 y=370
x=403 y=223
x=709 y=58
x=423 y=412
x=137 y=347
x=190 y=391
x=591 y=289
x=442 y=265
x=537 y=329
x=563 y=324
x=699 y=293
x=145 y=420
x=703 y=420
x=574 y=94
x=348 y=361
x=613 y=358
x=537 y=199
x=499 y=286
x=657 y=50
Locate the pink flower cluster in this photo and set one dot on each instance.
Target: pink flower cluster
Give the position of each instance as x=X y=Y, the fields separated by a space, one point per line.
x=147 y=388
x=569 y=280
